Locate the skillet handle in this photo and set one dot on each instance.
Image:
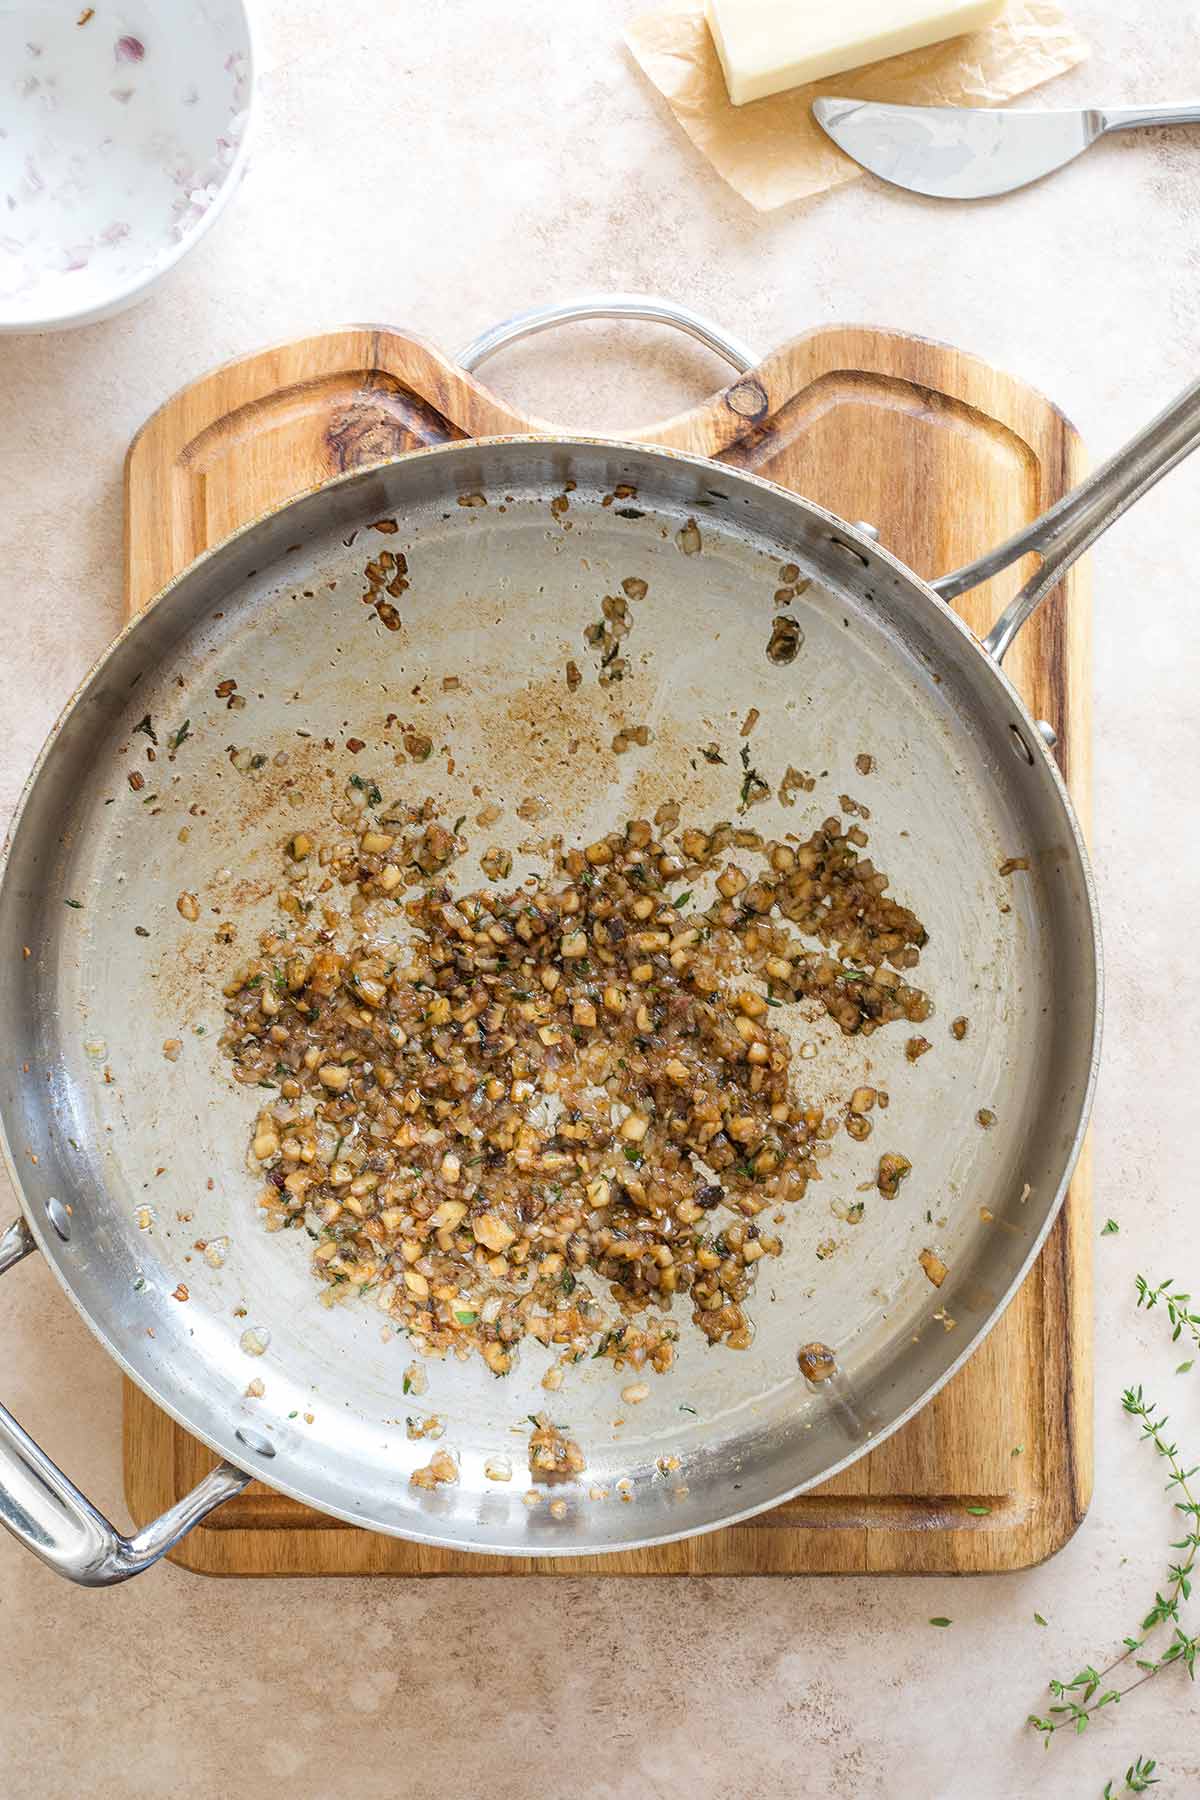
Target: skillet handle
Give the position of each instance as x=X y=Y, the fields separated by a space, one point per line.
x=48 y=1514
x=608 y=306
x=1062 y=535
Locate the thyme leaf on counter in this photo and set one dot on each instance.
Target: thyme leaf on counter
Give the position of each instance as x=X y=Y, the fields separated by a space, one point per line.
x=1138 y=1777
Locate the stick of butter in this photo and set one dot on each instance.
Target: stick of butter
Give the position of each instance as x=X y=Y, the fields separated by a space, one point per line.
x=766 y=46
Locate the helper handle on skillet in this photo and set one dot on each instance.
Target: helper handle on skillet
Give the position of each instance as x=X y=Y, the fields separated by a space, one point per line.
x=1060 y=536
x=49 y=1515
x=608 y=306
x=1072 y=526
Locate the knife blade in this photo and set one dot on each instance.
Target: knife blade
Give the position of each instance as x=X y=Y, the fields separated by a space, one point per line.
x=958 y=152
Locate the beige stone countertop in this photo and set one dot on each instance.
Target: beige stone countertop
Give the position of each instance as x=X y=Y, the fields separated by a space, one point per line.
x=441 y=166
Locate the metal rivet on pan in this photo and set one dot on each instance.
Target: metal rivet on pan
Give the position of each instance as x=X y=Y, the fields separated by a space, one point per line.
x=849 y=550
x=255 y=1440
x=59 y=1217
x=1020 y=747
x=1048 y=734
x=867 y=529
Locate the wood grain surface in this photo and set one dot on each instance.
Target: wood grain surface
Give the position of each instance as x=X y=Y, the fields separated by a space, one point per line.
x=947 y=456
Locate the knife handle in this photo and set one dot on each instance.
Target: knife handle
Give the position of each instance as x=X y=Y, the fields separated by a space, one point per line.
x=1132 y=118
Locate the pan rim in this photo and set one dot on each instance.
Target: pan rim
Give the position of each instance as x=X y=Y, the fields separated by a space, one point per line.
x=233 y=1450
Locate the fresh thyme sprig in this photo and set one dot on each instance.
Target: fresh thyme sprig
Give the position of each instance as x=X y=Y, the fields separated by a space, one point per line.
x=1176 y=1305
x=1079 y=1700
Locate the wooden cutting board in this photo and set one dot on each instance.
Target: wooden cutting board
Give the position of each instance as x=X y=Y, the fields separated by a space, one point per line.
x=946 y=456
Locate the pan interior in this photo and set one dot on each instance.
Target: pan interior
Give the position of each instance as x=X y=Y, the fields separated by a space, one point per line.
x=151 y=1154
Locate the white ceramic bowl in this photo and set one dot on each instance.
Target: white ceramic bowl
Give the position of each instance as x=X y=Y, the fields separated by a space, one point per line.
x=123 y=132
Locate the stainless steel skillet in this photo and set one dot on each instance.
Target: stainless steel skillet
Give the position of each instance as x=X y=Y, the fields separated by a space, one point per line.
x=499 y=599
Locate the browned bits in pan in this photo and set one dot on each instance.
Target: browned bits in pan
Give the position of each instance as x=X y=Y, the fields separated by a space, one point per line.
x=916 y=1048
x=985 y=1117
x=137 y=780
x=634 y=588
x=1011 y=864
x=387 y=526
x=864 y=763
x=574 y=677
x=959 y=1028
x=549 y=1111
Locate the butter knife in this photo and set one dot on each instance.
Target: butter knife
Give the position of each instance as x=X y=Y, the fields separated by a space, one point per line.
x=974 y=152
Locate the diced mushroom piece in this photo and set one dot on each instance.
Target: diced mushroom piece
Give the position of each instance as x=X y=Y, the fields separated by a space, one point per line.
x=496 y=863
x=440 y=1471
x=891 y=1172
x=493 y=1232
x=933 y=1266
x=434 y=850
x=786 y=640
x=552 y=1455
